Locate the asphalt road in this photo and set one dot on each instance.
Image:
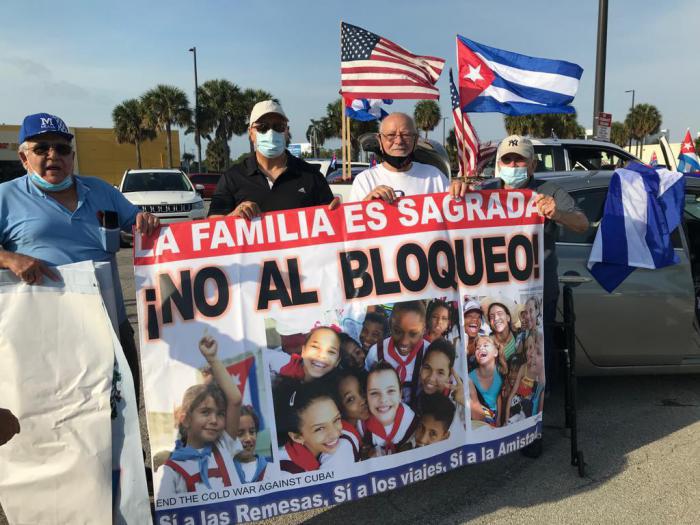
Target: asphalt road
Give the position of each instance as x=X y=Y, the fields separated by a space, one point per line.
x=641 y=441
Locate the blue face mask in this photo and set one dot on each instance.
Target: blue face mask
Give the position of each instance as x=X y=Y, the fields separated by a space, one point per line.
x=45 y=185
x=515 y=177
x=270 y=144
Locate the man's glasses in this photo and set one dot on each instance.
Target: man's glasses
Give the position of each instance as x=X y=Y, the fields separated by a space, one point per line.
x=42 y=148
x=264 y=127
x=391 y=137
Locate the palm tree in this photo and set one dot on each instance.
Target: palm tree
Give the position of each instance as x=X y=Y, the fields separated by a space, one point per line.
x=427 y=115
x=187 y=160
x=561 y=125
x=619 y=134
x=220 y=113
x=129 y=125
x=643 y=120
x=167 y=106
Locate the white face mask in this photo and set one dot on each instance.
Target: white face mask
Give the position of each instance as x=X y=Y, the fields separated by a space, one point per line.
x=513 y=176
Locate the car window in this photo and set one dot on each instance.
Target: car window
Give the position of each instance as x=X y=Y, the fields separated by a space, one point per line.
x=592 y=203
x=692 y=206
x=545 y=158
x=156 y=181
x=204 y=179
x=587 y=158
x=336 y=176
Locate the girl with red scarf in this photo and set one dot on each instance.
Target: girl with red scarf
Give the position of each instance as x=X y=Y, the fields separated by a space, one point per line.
x=392 y=422
x=320 y=355
x=405 y=347
x=308 y=419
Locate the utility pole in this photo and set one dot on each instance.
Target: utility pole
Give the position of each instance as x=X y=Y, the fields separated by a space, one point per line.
x=599 y=99
x=197 y=138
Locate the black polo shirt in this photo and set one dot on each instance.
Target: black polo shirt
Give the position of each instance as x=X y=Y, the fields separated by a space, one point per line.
x=299 y=186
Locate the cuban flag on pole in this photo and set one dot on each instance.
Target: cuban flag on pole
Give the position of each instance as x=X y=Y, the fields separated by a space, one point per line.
x=243 y=374
x=688 y=158
x=366 y=109
x=642 y=209
x=494 y=80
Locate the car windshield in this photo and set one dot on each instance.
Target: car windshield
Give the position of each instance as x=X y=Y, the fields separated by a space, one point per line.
x=156 y=181
x=205 y=179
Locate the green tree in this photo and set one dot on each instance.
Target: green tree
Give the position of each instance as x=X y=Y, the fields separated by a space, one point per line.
x=165 y=107
x=221 y=113
x=218 y=154
x=187 y=160
x=427 y=115
x=451 y=148
x=697 y=144
x=619 y=134
x=643 y=120
x=563 y=125
x=130 y=127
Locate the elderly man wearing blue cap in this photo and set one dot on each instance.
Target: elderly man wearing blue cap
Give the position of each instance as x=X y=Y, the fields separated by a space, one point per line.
x=51 y=217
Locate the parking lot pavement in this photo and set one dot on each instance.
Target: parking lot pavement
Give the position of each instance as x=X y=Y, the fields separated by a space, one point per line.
x=641 y=441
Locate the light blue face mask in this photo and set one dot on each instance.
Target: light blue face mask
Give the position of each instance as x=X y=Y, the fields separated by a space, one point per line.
x=513 y=176
x=45 y=185
x=270 y=144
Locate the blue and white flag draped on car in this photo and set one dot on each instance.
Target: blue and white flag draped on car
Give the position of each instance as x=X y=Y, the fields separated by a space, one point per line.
x=366 y=109
x=643 y=207
x=494 y=80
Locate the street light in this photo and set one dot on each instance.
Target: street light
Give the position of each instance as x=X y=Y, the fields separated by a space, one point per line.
x=197 y=139
x=631 y=91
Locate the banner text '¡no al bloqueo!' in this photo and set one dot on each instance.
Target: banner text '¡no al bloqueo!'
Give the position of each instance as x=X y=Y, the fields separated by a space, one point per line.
x=445 y=263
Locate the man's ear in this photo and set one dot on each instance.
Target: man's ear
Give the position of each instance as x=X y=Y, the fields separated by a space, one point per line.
x=296 y=437
x=22 y=158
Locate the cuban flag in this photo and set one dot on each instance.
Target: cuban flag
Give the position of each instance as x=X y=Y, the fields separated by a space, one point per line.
x=243 y=374
x=654 y=160
x=643 y=207
x=366 y=109
x=688 y=158
x=494 y=80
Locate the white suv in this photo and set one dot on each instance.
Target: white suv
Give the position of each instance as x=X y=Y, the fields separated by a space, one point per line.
x=167 y=193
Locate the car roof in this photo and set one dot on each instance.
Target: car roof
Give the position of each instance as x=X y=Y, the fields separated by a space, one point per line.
x=156 y=170
x=578 y=142
x=577 y=180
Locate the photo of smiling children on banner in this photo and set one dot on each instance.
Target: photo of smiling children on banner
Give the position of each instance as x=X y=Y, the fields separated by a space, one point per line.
x=505 y=356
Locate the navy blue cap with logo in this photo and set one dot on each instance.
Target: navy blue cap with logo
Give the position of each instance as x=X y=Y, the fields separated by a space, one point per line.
x=41 y=123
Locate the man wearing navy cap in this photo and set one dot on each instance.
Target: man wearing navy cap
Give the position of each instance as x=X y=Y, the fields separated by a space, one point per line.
x=51 y=217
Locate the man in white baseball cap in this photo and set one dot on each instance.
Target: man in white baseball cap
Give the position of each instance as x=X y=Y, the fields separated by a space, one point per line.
x=269 y=179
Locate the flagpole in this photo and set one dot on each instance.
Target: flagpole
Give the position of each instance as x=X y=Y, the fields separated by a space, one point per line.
x=342 y=133
x=348 y=173
x=464 y=151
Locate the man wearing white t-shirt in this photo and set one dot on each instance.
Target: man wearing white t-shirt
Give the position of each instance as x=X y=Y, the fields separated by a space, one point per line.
x=398 y=175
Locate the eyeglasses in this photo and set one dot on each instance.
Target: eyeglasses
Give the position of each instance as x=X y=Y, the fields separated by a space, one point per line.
x=391 y=137
x=264 y=127
x=42 y=148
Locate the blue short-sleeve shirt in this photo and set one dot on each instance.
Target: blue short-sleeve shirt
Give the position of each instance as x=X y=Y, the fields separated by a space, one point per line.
x=34 y=224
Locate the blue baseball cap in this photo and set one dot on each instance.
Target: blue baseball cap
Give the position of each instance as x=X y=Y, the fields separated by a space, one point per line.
x=41 y=123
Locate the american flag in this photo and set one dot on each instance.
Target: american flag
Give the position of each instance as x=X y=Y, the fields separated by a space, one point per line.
x=465 y=135
x=374 y=67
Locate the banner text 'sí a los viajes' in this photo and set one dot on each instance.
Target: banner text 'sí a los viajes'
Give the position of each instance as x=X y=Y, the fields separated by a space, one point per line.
x=314 y=357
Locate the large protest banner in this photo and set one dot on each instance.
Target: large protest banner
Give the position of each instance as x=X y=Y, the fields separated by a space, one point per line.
x=373 y=346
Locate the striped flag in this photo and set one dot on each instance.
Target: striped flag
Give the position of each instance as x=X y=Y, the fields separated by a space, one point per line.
x=467 y=140
x=465 y=135
x=374 y=67
x=642 y=209
x=494 y=80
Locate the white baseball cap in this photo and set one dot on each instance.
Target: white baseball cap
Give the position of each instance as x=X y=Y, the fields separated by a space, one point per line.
x=265 y=107
x=516 y=144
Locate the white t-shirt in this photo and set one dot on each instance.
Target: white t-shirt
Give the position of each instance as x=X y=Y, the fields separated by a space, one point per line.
x=419 y=180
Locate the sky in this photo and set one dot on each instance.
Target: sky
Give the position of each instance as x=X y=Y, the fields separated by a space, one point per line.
x=79 y=59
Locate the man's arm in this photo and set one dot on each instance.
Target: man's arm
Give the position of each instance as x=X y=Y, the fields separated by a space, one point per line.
x=28 y=269
x=562 y=209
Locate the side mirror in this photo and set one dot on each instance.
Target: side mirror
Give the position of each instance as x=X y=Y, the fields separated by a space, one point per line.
x=199 y=188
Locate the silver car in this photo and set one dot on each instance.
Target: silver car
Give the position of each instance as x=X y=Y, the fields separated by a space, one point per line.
x=649 y=324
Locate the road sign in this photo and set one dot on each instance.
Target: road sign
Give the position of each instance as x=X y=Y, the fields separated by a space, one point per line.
x=603 y=125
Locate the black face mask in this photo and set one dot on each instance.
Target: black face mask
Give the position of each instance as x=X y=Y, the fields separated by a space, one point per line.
x=397 y=162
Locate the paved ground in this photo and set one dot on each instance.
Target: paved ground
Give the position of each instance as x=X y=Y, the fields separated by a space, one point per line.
x=640 y=437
